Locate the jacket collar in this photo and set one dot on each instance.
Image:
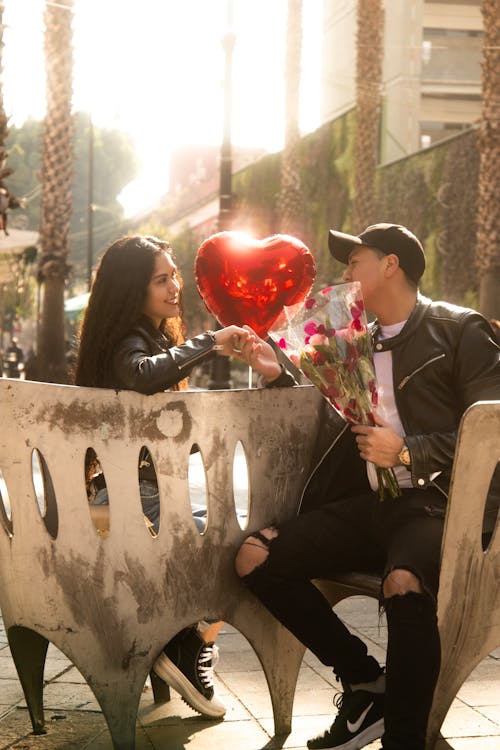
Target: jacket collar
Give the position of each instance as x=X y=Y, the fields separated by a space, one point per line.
x=421 y=306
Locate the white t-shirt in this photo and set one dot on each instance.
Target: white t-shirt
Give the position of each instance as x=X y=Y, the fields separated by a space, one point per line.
x=387 y=408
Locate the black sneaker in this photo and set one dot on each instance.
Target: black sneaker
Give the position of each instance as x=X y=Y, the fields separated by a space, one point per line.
x=186 y=665
x=360 y=720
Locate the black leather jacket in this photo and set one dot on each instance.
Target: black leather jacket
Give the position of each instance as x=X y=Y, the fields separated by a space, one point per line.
x=144 y=362
x=444 y=360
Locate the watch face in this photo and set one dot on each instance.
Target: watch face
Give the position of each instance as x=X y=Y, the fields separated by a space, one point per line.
x=404 y=456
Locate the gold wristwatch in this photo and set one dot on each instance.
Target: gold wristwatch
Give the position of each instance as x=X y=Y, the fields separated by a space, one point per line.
x=404 y=457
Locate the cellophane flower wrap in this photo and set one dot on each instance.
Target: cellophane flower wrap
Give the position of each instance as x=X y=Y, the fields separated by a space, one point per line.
x=327 y=338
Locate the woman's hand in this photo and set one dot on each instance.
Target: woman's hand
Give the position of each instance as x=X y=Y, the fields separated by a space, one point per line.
x=259 y=355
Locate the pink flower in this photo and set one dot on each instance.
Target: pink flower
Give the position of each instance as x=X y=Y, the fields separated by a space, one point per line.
x=310 y=302
x=282 y=344
x=318 y=340
x=310 y=328
x=356 y=324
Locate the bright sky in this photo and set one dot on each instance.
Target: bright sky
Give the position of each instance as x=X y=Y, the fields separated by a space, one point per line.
x=155 y=69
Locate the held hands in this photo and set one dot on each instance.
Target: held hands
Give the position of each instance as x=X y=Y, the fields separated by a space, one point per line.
x=259 y=355
x=229 y=340
x=380 y=444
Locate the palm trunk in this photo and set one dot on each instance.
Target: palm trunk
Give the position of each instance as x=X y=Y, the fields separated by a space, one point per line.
x=488 y=208
x=369 y=56
x=57 y=178
x=290 y=200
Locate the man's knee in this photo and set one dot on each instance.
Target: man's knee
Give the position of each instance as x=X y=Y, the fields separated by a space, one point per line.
x=401 y=581
x=254 y=551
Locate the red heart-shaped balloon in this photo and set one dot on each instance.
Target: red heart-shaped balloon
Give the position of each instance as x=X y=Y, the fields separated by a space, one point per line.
x=247 y=281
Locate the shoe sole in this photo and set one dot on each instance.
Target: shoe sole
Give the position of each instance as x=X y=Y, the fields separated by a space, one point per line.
x=373 y=732
x=169 y=673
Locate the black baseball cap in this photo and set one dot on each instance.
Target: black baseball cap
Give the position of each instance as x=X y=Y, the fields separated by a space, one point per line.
x=389 y=238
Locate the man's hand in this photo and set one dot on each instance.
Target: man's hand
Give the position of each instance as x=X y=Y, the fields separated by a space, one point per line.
x=380 y=445
x=259 y=355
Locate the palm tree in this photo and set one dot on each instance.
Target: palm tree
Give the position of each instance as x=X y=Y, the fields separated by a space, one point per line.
x=57 y=177
x=7 y=199
x=369 y=57
x=488 y=207
x=290 y=202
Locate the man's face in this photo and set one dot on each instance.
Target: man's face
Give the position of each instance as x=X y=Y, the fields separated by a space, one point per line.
x=367 y=266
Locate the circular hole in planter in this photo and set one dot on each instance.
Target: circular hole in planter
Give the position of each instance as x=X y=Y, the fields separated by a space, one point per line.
x=197 y=485
x=5 y=508
x=97 y=493
x=44 y=492
x=240 y=484
x=148 y=488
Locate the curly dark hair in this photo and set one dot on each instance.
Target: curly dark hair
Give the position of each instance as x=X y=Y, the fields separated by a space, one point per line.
x=116 y=304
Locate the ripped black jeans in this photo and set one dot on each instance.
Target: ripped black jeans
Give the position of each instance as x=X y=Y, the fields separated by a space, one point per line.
x=363 y=534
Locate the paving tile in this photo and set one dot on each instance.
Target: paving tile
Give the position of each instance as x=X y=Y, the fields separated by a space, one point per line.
x=492 y=713
x=235 y=661
x=199 y=735
x=359 y=610
x=175 y=709
x=9 y=671
x=72 y=732
x=469 y=743
x=11 y=692
x=103 y=741
x=69 y=696
x=480 y=692
x=463 y=721
x=70 y=674
x=54 y=653
x=373 y=634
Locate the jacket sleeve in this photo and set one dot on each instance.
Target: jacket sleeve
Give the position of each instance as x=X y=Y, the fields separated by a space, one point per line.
x=284 y=380
x=476 y=373
x=137 y=370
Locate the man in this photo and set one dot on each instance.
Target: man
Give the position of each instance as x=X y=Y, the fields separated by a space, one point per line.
x=432 y=361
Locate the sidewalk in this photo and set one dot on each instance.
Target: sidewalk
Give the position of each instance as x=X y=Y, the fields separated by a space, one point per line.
x=74 y=721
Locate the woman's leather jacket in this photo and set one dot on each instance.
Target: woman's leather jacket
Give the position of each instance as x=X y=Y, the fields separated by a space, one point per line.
x=444 y=359
x=143 y=361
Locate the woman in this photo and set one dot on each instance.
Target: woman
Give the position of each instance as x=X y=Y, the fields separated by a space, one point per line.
x=131 y=338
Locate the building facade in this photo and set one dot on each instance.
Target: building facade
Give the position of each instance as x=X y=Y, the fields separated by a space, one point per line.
x=431 y=80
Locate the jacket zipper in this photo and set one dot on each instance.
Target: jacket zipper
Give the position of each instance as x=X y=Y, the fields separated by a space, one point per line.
x=196 y=357
x=409 y=377
x=325 y=454
x=439 y=488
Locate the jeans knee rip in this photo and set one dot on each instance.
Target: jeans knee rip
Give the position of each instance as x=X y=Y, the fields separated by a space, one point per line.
x=384 y=601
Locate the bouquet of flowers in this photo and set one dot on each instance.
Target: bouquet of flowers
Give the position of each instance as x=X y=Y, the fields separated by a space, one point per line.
x=327 y=339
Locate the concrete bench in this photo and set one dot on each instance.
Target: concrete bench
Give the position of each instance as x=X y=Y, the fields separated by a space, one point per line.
x=110 y=602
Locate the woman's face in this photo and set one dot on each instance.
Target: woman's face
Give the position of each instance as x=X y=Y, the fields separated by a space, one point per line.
x=162 y=294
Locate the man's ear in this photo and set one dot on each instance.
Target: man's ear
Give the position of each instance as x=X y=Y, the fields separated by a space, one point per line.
x=391 y=264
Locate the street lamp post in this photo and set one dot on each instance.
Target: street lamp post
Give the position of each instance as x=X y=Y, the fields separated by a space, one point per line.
x=220 y=370
x=90 y=205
